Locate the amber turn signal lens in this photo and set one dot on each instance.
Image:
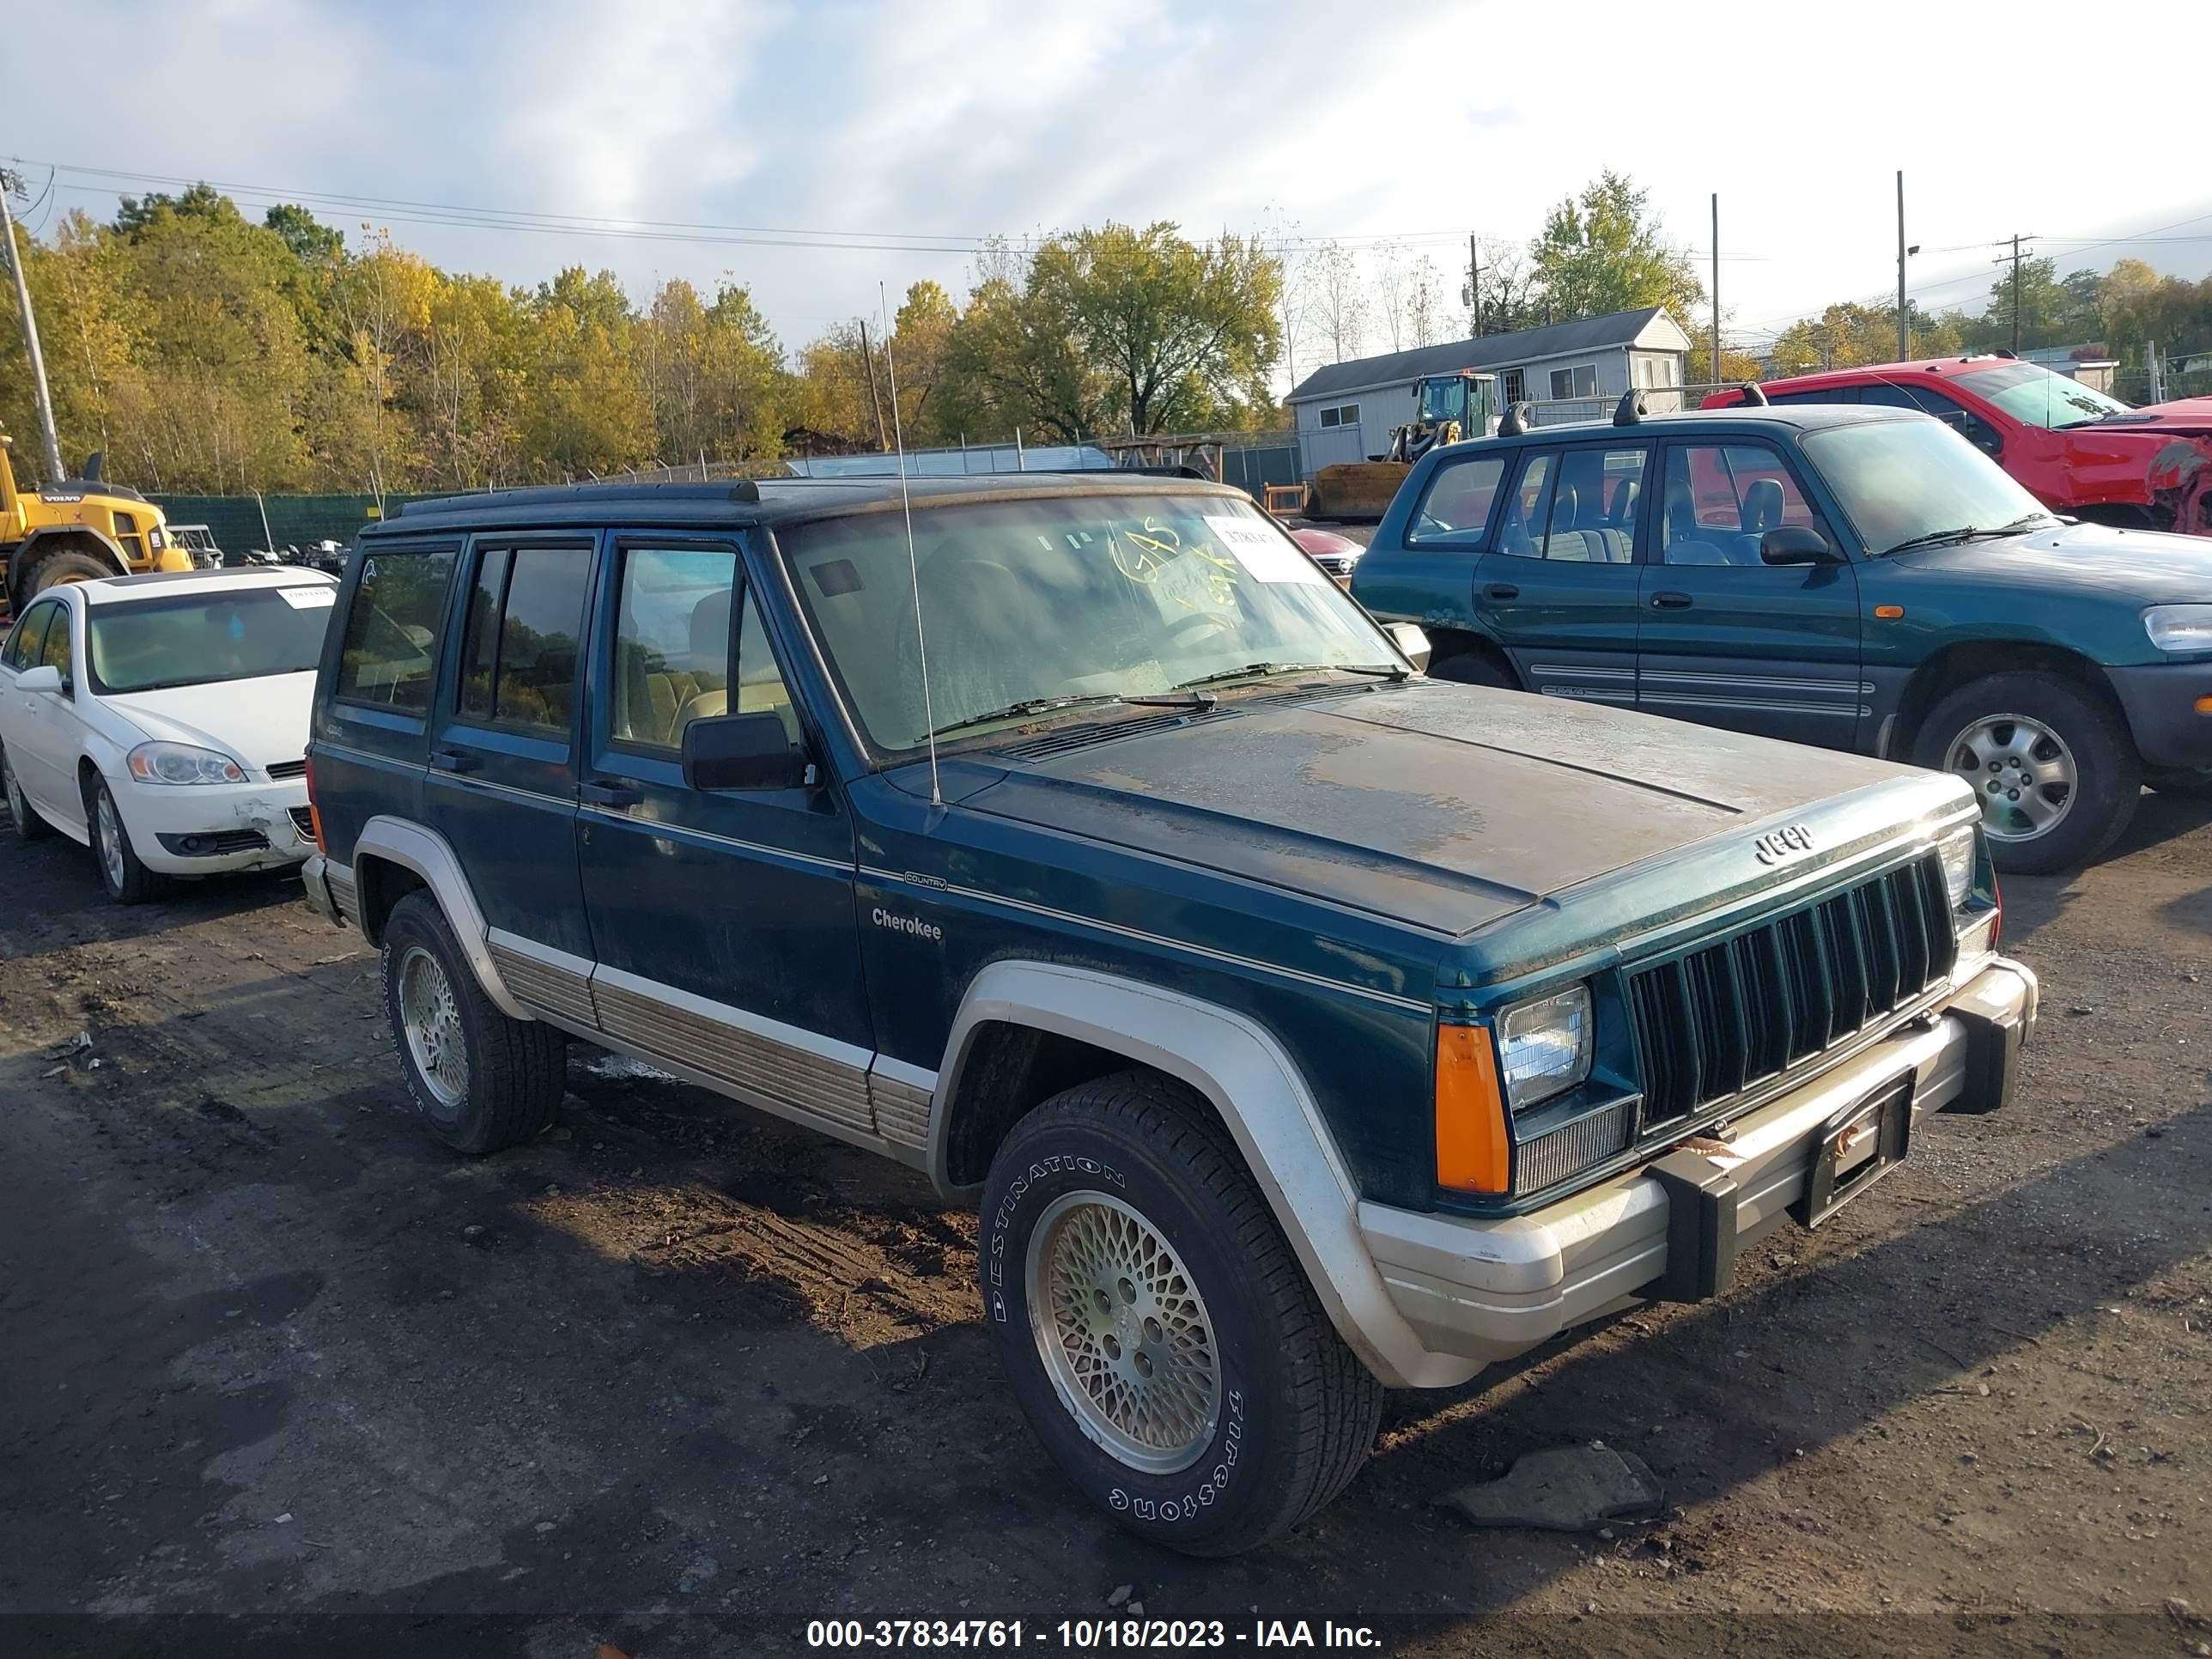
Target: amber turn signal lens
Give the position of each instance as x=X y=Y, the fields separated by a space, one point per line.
x=2204 y=705
x=1472 y=1152
x=1889 y=612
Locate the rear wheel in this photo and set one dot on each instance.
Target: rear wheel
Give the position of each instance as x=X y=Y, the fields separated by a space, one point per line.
x=482 y=1080
x=2054 y=769
x=128 y=881
x=64 y=564
x=29 y=826
x=1155 y=1327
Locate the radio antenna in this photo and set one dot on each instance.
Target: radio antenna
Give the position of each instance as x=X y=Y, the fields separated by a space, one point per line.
x=913 y=566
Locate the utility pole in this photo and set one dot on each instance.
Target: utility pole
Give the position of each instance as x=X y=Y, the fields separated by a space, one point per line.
x=10 y=183
x=1715 y=375
x=2015 y=288
x=1474 y=282
x=1904 y=328
x=883 y=443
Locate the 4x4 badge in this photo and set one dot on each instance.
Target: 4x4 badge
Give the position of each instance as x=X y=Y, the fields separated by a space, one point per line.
x=1780 y=846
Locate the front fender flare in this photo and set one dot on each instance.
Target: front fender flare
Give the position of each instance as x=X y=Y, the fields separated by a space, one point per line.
x=1261 y=1099
x=430 y=856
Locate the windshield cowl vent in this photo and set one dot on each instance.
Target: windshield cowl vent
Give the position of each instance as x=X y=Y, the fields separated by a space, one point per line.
x=1072 y=737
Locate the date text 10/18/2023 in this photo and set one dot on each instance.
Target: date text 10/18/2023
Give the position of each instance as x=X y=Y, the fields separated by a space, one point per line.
x=1087 y=1635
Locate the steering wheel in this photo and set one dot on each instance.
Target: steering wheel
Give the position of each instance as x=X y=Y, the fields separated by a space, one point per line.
x=1193 y=628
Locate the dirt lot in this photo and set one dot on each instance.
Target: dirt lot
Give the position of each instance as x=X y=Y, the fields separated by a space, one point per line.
x=278 y=1374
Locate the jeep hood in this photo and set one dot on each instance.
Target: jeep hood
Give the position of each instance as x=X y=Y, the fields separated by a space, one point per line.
x=1441 y=805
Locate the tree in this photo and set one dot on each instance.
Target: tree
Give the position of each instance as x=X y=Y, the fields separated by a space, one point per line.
x=1339 y=300
x=1425 y=303
x=1602 y=252
x=312 y=242
x=1508 y=289
x=920 y=346
x=1185 y=333
x=1013 y=365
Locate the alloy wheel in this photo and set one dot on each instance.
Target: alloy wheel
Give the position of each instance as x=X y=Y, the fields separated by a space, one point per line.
x=1123 y=1333
x=430 y=1017
x=2023 y=774
x=110 y=833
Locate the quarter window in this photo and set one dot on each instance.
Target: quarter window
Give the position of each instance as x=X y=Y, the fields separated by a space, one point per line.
x=525 y=609
x=389 y=655
x=1457 y=504
x=672 y=643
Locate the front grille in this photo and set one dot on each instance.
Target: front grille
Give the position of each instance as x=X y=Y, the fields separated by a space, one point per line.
x=1713 y=1022
x=297 y=769
x=214 y=843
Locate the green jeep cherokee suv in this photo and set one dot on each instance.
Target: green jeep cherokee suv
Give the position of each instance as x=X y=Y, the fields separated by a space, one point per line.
x=1302 y=1025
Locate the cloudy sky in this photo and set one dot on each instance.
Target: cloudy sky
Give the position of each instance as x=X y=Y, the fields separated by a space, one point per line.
x=735 y=137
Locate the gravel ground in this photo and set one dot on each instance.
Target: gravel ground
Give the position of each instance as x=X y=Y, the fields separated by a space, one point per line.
x=278 y=1374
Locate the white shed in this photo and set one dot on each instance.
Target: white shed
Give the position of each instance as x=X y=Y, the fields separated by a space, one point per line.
x=1346 y=412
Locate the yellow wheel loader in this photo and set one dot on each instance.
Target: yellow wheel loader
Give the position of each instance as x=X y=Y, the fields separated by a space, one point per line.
x=1446 y=409
x=77 y=530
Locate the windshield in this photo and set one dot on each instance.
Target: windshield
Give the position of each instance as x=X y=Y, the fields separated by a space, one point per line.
x=200 y=639
x=1442 y=400
x=1901 y=480
x=1062 y=598
x=2031 y=393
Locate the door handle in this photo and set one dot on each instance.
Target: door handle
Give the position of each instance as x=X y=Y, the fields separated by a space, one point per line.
x=454 y=760
x=1670 y=600
x=609 y=794
x=1501 y=590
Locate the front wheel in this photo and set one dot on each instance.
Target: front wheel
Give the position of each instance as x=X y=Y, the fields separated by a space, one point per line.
x=1155 y=1327
x=2053 y=767
x=127 y=879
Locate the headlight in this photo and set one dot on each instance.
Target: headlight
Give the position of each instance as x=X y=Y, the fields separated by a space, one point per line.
x=1958 y=855
x=180 y=763
x=2179 y=627
x=1544 y=1046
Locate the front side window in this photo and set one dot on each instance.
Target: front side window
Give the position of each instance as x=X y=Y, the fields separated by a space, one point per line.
x=526 y=610
x=1722 y=498
x=1049 y=602
x=2033 y=395
x=23 y=643
x=389 y=654
x=1900 y=481
x=672 y=643
x=1457 y=505
x=56 y=650
x=208 y=638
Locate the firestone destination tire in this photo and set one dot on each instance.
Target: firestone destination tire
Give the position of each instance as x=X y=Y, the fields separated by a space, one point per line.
x=1155 y=1327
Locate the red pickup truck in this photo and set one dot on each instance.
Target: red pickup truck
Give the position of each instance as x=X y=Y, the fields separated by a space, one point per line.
x=2076 y=450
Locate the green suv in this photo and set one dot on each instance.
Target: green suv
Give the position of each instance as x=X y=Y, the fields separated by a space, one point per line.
x=1861 y=579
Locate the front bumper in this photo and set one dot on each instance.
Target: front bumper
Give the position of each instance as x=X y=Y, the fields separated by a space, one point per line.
x=1486 y=1291
x=241 y=826
x=2160 y=699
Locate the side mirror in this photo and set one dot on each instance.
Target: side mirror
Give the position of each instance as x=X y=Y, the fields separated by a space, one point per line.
x=46 y=679
x=1796 y=543
x=742 y=751
x=1412 y=642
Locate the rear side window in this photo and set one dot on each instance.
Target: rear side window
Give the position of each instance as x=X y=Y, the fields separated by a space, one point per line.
x=390 y=654
x=1456 y=506
x=525 y=609
x=24 y=644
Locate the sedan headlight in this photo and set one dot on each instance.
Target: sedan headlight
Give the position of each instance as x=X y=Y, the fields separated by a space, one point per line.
x=1957 y=854
x=2179 y=627
x=1544 y=1046
x=181 y=763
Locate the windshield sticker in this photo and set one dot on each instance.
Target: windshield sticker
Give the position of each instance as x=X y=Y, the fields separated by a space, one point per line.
x=309 y=599
x=1265 y=553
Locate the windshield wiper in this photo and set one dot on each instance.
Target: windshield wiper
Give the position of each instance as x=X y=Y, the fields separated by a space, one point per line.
x=1033 y=707
x=1254 y=671
x=1966 y=532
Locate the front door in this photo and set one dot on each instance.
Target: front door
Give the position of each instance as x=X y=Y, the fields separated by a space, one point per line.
x=1728 y=640
x=1558 y=587
x=40 y=727
x=501 y=783
x=723 y=922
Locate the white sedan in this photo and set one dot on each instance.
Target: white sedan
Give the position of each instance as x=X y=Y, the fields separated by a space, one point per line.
x=163 y=721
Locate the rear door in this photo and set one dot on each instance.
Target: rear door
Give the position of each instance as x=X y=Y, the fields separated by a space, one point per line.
x=723 y=921
x=1728 y=640
x=1558 y=586
x=501 y=784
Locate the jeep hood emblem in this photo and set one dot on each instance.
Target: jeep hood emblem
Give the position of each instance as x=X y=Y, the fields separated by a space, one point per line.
x=1780 y=846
